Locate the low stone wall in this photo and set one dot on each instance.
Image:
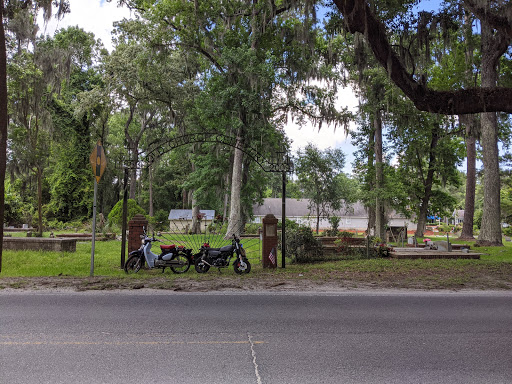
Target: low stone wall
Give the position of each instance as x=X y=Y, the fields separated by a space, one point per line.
x=87 y=236
x=39 y=244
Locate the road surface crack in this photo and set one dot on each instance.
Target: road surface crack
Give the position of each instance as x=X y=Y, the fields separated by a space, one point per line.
x=253 y=353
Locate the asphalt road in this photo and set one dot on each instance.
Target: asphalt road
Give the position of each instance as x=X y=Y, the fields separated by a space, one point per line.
x=351 y=337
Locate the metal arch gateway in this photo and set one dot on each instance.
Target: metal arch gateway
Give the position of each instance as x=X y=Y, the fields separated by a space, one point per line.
x=281 y=163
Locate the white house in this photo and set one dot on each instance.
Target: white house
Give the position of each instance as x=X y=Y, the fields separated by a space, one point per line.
x=458 y=216
x=353 y=217
x=180 y=220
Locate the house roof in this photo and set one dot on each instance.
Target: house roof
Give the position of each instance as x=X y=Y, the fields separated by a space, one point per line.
x=186 y=214
x=459 y=214
x=299 y=208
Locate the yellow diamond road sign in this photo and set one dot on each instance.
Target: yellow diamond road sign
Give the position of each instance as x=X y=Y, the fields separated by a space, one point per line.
x=98 y=161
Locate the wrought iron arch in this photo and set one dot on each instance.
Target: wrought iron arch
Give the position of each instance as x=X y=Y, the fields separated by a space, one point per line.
x=280 y=161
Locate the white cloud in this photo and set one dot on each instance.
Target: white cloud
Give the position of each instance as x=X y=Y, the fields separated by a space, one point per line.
x=327 y=137
x=96 y=16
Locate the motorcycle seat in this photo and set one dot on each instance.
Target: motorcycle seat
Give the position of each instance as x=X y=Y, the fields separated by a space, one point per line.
x=226 y=248
x=167 y=247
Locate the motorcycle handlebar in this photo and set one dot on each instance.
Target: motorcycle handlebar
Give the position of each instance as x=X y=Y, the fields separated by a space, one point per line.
x=152 y=239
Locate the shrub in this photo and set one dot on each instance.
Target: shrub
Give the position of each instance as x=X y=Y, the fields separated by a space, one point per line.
x=302 y=245
x=444 y=228
x=56 y=225
x=252 y=228
x=290 y=224
x=335 y=222
x=116 y=214
x=218 y=227
x=160 y=222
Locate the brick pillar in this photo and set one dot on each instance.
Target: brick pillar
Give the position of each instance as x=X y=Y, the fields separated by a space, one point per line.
x=136 y=228
x=269 y=241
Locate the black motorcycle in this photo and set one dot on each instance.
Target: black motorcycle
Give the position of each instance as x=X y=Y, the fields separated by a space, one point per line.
x=221 y=257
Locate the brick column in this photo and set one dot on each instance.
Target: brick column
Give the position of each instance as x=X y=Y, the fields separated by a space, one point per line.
x=269 y=241
x=136 y=228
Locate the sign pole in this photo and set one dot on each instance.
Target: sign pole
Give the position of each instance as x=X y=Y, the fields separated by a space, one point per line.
x=125 y=215
x=99 y=163
x=93 y=226
x=283 y=223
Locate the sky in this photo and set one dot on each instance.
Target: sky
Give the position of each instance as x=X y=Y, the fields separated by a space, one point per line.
x=98 y=16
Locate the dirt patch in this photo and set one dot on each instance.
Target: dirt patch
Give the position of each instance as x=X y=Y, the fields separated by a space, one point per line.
x=478 y=276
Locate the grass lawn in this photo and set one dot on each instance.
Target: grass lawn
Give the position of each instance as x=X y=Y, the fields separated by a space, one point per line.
x=29 y=269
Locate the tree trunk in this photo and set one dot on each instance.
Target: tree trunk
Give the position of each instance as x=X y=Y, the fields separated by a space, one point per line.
x=226 y=203
x=371 y=185
x=490 y=231
x=471 y=134
x=3 y=126
x=422 y=215
x=469 y=203
x=236 y=188
x=150 y=177
x=184 y=199
x=379 y=177
x=317 y=219
x=39 y=174
x=226 y=194
x=196 y=222
x=133 y=170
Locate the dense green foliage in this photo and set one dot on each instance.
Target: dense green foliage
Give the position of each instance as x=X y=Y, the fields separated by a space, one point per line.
x=242 y=71
x=116 y=214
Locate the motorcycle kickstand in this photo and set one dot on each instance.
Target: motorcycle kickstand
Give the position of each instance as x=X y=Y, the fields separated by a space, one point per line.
x=163 y=269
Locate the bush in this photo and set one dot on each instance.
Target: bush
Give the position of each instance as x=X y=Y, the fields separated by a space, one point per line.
x=444 y=227
x=13 y=206
x=218 y=227
x=252 y=228
x=160 y=222
x=116 y=214
x=290 y=224
x=302 y=245
x=56 y=225
x=335 y=222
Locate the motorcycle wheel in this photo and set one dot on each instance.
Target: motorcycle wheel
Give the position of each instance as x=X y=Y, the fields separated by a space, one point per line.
x=200 y=266
x=133 y=264
x=184 y=264
x=238 y=270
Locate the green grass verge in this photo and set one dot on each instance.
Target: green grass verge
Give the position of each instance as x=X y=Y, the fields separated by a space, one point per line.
x=492 y=271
